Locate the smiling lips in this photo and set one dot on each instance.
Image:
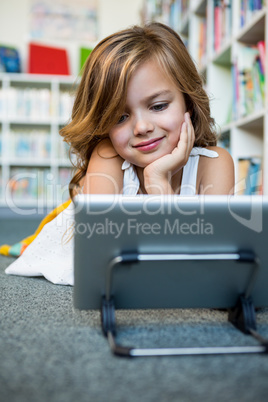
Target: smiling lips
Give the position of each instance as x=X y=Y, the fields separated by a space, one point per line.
x=148 y=145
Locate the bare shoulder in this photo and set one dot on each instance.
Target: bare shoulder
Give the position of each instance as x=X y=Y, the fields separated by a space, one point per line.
x=216 y=175
x=223 y=158
x=105 y=149
x=103 y=156
x=104 y=173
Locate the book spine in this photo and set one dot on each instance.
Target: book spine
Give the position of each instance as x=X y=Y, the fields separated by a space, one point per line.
x=242 y=13
x=249 y=176
x=262 y=51
x=30 y=144
x=217 y=25
x=29 y=103
x=29 y=183
x=247 y=10
x=251 y=80
x=235 y=80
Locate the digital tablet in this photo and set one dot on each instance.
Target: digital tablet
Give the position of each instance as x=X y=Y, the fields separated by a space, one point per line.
x=151 y=251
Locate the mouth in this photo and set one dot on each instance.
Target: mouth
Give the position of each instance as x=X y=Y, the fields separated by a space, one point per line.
x=148 y=145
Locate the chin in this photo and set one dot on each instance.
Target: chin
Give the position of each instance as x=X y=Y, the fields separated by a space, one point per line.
x=145 y=164
x=150 y=159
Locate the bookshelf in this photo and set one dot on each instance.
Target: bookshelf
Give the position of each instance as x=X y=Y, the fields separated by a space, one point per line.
x=34 y=164
x=228 y=42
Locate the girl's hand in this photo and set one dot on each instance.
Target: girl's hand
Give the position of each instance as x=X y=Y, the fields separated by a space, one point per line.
x=157 y=175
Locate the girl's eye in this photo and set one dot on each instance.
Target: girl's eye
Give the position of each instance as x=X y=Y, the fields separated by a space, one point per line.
x=122 y=119
x=159 y=107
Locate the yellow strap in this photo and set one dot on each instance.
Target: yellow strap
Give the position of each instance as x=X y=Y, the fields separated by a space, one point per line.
x=4 y=249
x=47 y=219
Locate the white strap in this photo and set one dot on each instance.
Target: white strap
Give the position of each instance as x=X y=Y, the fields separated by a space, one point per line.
x=131 y=183
x=204 y=152
x=189 y=174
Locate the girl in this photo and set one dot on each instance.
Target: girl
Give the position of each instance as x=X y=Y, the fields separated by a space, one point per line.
x=140 y=124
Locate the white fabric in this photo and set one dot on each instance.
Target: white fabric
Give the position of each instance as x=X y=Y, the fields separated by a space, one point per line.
x=51 y=253
x=131 y=183
x=188 y=182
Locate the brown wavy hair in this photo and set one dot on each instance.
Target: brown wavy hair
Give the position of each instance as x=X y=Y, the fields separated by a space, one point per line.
x=101 y=95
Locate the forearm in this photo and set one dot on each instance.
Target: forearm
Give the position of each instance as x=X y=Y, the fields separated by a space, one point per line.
x=157 y=185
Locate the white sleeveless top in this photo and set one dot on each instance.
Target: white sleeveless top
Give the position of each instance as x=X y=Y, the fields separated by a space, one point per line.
x=188 y=183
x=51 y=253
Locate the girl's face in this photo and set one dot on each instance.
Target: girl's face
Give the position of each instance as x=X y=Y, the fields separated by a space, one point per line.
x=151 y=123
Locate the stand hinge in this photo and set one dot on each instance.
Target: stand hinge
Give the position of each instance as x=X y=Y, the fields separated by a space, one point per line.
x=243 y=316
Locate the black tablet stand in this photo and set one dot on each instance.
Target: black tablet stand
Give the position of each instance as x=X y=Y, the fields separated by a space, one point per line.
x=242 y=316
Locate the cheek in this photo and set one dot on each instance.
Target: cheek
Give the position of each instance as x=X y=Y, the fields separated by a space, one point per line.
x=118 y=139
x=174 y=139
x=174 y=125
x=173 y=119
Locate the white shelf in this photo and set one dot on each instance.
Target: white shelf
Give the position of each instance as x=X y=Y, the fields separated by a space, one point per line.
x=30 y=121
x=37 y=78
x=252 y=121
x=48 y=174
x=254 y=29
x=198 y=7
x=248 y=128
x=223 y=56
x=185 y=25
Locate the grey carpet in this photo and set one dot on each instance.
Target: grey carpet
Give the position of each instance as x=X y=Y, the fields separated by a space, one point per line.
x=50 y=352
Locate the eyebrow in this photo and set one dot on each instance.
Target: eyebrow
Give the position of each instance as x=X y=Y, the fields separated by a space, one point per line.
x=155 y=95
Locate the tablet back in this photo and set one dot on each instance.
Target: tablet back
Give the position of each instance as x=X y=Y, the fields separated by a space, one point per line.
x=107 y=226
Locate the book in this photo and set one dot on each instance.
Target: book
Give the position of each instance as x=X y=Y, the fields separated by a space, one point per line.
x=249 y=176
x=29 y=184
x=9 y=60
x=235 y=86
x=262 y=52
x=248 y=9
x=224 y=141
x=30 y=143
x=47 y=60
x=66 y=101
x=30 y=102
x=84 y=53
x=217 y=25
x=255 y=176
x=201 y=43
x=248 y=81
x=65 y=175
x=222 y=19
x=243 y=169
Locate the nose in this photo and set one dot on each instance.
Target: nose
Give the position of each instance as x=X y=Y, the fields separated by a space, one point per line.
x=143 y=125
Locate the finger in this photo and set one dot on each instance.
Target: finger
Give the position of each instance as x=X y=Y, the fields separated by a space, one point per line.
x=181 y=151
x=183 y=140
x=184 y=133
x=190 y=132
